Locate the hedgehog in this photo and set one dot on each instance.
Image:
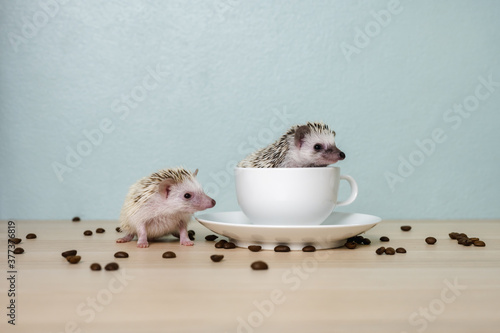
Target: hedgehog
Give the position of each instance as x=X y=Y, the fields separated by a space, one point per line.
x=162 y=204
x=309 y=145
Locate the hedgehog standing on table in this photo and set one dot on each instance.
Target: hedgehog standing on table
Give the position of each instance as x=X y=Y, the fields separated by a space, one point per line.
x=309 y=145
x=161 y=204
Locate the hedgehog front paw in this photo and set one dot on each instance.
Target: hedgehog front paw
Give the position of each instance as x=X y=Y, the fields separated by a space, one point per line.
x=187 y=242
x=142 y=244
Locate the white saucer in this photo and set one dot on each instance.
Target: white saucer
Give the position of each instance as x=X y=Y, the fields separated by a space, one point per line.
x=330 y=234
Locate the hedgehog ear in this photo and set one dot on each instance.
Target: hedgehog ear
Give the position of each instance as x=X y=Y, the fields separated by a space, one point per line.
x=195 y=172
x=300 y=134
x=164 y=187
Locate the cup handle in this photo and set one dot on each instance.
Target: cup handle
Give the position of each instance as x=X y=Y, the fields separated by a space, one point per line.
x=354 y=191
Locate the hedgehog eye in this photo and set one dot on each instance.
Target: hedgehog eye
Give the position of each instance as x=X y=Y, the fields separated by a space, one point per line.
x=317 y=147
x=187 y=196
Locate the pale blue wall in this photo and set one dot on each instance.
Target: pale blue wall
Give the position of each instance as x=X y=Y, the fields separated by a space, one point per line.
x=225 y=70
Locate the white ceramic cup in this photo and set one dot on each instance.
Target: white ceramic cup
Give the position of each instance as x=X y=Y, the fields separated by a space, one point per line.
x=290 y=196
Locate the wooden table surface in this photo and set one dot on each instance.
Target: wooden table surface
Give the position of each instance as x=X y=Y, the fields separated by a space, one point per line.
x=444 y=287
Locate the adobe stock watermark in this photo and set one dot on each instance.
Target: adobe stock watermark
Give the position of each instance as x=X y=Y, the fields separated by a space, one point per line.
x=278 y=123
x=453 y=117
x=421 y=319
x=292 y=278
x=121 y=107
x=31 y=26
x=364 y=36
x=89 y=309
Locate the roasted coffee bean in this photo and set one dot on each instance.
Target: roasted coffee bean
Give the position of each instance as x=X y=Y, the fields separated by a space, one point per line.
x=15 y=240
x=357 y=239
x=472 y=239
x=118 y=229
x=121 y=254
x=169 y=255
x=73 y=259
x=220 y=244
x=406 y=227
x=431 y=240
x=211 y=237
x=479 y=243
x=384 y=239
x=281 y=248
x=462 y=235
x=255 y=248
x=462 y=240
x=30 y=236
x=68 y=253
x=76 y=219
x=87 y=233
x=95 y=267
x=468 y=242
x=400 y=250
x=308 y=248
x=453 y=235
x=112 y=266
x=351 y=245
x=18 y=250
x=216 y=257
x=229 y=245
x=259 y=265
x=191 y=234
x=390 y=251
x=100 y=230
x=380 y=250
x=366 y=241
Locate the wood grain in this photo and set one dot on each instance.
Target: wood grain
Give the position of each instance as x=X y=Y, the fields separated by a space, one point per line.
x=337 y=290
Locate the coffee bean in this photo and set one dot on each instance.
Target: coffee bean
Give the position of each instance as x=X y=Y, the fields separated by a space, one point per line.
x=100 y=230
x=453 y=235
x=366 y=241
x=357 y=239
x=400 y=250
x=462 y=241
x=15 y=240
x=308 y=248
x=191 y=234
x=472 y=239
x=30 y=236
x=68 y=253
x=216 y=257
x=73 y=259
x=95 y=267
x=255 y=248
x=76 y=219
x=112 y=266
x=468 y=242
x=121 y=254
x=406 y=227
x=118 y=229
x=169 y=255
x=259 y=265
x=18 y=250
x=220 y=244
x=351 y=245
x=211 y=237
x=479 y=243
x=431 y=240
x=229 y=245
x=462 y=235
x=384 y=239
x=390 y=251
x=87 y=233
x=281 y=248
x=380 y=250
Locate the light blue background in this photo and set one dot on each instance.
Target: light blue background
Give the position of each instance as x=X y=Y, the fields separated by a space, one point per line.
x=235 y=74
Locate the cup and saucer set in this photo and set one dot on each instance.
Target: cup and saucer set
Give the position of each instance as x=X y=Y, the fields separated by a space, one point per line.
x=289 y=206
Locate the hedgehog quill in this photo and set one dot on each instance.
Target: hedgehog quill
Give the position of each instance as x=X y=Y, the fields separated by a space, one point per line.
x=309 y=145
x=161 y=204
